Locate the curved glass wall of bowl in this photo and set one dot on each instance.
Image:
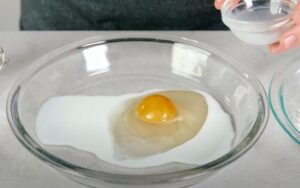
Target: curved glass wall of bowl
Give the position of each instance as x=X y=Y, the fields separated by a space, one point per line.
x=284 y=97
x=3 y=60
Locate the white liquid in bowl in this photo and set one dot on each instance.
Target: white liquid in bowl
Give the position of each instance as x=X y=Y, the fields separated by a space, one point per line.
x=84 y=122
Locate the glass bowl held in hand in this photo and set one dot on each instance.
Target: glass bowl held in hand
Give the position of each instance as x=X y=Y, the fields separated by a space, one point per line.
x=258 y=22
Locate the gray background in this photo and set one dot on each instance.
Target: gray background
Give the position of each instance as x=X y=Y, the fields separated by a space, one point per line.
x=9 y=15
x=274 y=162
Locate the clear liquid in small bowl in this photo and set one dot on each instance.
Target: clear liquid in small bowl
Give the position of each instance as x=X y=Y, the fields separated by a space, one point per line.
x=258 y=22
x=260 y=11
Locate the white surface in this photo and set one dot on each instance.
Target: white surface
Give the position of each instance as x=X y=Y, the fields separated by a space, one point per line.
x=79 y=128
x=274 y=162
x=10 y=11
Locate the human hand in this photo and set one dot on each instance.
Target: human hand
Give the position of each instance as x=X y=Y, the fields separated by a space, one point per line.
x=290 y=38
x=219 y=3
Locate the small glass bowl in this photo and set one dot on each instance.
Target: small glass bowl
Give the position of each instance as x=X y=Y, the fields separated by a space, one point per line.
x=258 y=22
x=284 y=97
x=131 y=64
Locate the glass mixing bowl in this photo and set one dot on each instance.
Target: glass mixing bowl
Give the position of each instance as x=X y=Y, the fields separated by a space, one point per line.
x=258 y=22
x=127 y=64
x=284 y=98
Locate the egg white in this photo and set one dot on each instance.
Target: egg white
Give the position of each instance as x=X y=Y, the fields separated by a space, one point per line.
x=83 y=122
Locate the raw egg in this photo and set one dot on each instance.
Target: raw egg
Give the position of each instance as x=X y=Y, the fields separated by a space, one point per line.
x=159 y=122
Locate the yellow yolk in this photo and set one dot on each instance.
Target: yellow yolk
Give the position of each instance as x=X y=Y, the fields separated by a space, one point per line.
x=156 y=109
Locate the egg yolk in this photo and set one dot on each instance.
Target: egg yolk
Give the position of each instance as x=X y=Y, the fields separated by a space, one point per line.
x=156 y=109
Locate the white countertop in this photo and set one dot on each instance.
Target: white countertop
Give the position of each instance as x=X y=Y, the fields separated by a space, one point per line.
x=273 y=162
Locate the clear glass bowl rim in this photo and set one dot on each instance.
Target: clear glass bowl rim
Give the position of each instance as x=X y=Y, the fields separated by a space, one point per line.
x=26 y=140
x=274 y=24
x=276 y=101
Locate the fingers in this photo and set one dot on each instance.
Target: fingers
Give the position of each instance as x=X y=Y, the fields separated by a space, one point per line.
x=275 y=48
x=288 y=40
x=296 y=16
x=219 y=3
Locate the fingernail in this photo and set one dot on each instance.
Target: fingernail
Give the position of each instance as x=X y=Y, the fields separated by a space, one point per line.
x=290 y=41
